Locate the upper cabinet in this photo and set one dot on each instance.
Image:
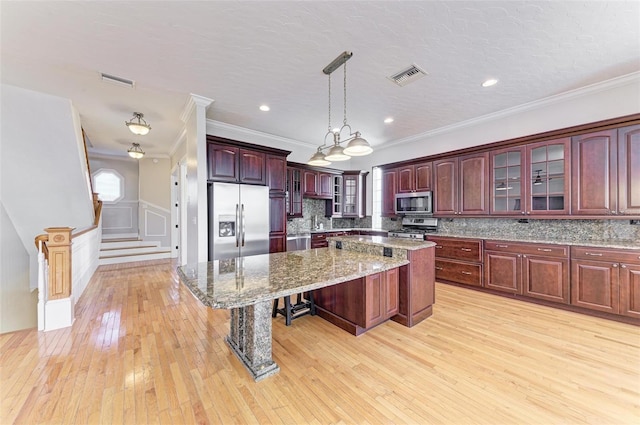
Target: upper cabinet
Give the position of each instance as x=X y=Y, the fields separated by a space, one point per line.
x=317 y=184
x=606 y=172
x=389 y=179
x=353 y=195
x=461 y=186
x=276 y=173
x=294 y=192
x=234 y=164
x=507 y=177
x=548 y=176
x=414 y=178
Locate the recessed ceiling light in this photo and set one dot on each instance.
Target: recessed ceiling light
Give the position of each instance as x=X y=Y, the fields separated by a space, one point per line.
x=264 y=108
x=388 y=120
x=490 y=82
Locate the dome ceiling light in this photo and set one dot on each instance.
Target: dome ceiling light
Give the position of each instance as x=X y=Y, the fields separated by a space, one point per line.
x=135 y=151
x=139 y=127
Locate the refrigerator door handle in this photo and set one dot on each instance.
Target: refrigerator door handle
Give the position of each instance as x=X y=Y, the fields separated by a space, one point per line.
x=237 y=226
x=243 y=226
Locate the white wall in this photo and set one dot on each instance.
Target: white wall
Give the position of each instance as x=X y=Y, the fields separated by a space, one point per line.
x=43 y=166
x=611 y=99
x=155 y=200
x=17 y=302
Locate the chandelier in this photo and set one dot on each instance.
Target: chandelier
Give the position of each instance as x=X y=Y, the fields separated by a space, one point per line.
x=355 y=144
x=139 y=127
x=135 y=151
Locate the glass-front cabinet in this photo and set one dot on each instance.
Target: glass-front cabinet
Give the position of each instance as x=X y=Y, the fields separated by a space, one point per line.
x=531 y=180
x=506 y=180
x=337 y=196
x=548 y=177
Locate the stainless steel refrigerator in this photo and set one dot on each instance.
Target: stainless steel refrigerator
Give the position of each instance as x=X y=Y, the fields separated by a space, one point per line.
x=238 y=220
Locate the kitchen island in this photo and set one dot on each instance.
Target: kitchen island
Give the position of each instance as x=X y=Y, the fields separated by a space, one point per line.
x=248 y=285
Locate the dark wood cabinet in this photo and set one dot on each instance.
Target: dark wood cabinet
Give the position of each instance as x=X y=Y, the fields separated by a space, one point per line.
x=458 y=260
x=223 y=162
x=353 y=193
x=277 y=222
x=534 y=270
x=414 y=178
x=294 y=192
x=310 y=186
x=381 y=297
x=629 y=170
x=252 y=167
x=317 y=184
x=548 y=177
x=325 y=185
x=276 y=167
x=606 y=280
x=461 y=186
x=508 y=181
x=388 y=193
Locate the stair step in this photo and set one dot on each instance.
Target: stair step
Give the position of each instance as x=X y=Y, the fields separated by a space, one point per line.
x=131 y=250
x=134 y=257
x=106 y=245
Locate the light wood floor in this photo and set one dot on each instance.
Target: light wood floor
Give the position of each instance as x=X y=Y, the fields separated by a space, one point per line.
x=143 y=350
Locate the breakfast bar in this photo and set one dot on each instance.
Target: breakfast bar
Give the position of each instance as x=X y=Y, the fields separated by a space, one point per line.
x=248 y=285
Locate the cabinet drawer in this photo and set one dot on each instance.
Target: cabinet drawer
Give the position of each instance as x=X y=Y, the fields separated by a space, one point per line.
x=600 y=254
x=469 y=274
x=528 y=248
x=458 y=249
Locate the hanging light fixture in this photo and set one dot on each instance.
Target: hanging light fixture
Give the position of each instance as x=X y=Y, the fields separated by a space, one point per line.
x=356 y=144
x=135 y=151
x=538 y=180
x=139 y=127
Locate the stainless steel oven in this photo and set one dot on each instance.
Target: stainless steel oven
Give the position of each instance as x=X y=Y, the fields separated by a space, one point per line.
x=414 y=203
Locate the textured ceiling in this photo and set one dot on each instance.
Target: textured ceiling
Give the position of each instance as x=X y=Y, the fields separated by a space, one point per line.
x=244 y=54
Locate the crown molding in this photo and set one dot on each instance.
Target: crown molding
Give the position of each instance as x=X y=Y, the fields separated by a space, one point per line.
x=255 y=133
x=179 y=140
x=536 y=104
x=193 y=101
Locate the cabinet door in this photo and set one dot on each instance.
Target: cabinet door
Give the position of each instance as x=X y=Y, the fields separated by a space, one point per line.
x=423 y=176
x=474 y=186
x=506 y=176
x=374 y=299
x=546 y=278
x=325 y=185
x=392 y=292
x=595 y=285
x=594 y=176
x=252 y=167
x=223 y=162
x=388 y=193
x=446 y=187
x=294 y=181
x=548 y=173
x=310 y=179
x=277 y=214
x=502 y=271
x=405 y=179
x=630 y=290
x=337 y=196
x=629 y=170
x=350 y=196
x=277 y=173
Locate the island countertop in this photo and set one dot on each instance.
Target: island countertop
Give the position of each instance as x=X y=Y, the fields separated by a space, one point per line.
x=383 y=241
x=244 y=281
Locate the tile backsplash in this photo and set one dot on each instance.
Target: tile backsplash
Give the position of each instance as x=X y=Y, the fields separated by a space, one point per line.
x=314 y=209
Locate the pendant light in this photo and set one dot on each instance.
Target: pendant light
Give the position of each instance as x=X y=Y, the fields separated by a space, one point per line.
x=356 y=144
x=135 y=151
x=139 y=127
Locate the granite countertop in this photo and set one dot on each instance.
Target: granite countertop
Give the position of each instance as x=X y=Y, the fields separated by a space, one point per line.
x=245 y=281
x=396 y=243
x=310 y=232
x=589 y=243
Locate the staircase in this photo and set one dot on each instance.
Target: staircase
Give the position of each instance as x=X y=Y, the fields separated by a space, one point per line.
x=127 y=250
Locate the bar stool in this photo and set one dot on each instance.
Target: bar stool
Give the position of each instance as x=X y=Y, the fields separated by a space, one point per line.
x=293 y=311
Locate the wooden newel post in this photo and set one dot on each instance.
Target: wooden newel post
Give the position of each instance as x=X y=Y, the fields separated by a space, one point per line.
x=59 y=246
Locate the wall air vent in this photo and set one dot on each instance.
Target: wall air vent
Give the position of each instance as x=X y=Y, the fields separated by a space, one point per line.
x=408 y=75
x=117 y=80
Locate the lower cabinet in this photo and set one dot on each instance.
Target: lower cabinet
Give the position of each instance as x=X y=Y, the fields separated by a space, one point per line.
x=606 y=280
x=360 y=304
x=458 y=260
x=535 y=270
x=319 y=240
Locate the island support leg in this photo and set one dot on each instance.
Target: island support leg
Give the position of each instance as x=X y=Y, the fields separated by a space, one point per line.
x=250 y=339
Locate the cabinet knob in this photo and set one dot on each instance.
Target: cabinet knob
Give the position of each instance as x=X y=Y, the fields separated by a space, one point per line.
x=523 y=213
x=623 y=266
x=528 y=212
x=524 y=256
x=621 y=211
x=519 y=255
x=615 y=265
x=438 y=268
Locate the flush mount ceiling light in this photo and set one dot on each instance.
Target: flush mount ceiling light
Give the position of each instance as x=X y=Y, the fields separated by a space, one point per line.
x=139 y=127
x=490 y=82
x=355 y=144
x=265 y=108
x=135 y=151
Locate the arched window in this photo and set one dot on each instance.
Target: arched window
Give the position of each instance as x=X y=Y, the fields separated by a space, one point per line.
x=109 y=185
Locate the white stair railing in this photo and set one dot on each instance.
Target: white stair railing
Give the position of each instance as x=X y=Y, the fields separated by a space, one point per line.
x=43 y=284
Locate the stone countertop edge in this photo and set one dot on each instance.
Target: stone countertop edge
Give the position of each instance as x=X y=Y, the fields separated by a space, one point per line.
x=396 y=243
x=194 y=281
x=349 y=229
x=592 y=243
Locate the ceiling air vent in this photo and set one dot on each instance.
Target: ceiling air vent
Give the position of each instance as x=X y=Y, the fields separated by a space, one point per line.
x=117 y=80
x=408 y=75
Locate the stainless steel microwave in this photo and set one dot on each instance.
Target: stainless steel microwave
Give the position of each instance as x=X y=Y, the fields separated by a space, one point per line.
x=414 y=203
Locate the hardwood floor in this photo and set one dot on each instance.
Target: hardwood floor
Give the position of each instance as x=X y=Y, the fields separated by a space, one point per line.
x=143 y=350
